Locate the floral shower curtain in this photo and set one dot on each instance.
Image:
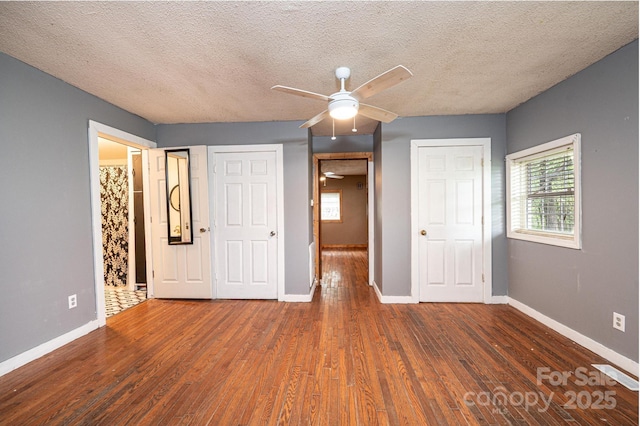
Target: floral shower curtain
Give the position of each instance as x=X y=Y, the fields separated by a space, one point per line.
x=114 y=197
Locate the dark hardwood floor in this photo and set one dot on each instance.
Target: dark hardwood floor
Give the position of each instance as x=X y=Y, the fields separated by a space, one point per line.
x=342 y=359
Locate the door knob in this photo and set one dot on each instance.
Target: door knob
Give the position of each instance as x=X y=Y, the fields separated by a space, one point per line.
x=272 y=233
x=423 y=232
x=203 y=230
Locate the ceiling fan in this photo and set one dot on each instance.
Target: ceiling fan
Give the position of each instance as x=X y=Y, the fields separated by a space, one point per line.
x=331 y=175
x=344 y=104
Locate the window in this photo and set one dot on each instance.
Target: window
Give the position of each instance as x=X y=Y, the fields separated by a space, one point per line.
x=331 y=205
x=543 y=193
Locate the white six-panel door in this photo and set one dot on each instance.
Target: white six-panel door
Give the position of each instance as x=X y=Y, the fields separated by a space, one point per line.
x=245 y=224
x=181 y=271
x=450 y=206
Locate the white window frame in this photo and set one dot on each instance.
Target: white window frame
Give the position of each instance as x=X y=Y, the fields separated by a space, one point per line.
x=515 y=230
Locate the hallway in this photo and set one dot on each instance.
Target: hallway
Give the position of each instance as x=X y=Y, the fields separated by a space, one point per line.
x=343 y=359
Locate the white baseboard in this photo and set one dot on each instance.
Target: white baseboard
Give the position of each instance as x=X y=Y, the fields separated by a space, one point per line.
x=301 y=297
x=392 y=299
x=609 y=354
x=43 y=349
x=499 y=300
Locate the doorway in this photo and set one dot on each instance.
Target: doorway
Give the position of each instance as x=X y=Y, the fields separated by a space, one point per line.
x=122 y=214
x=122 y=273
x=343 y=205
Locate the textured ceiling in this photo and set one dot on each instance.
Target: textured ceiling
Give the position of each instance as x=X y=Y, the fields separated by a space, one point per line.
x=189 y=62
x=344 y=167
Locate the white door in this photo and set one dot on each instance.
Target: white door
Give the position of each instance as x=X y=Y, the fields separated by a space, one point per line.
x=450 y=224
x=181 y=271
x=246 y=224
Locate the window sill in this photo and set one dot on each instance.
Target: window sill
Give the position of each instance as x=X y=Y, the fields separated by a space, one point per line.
x=549 y=238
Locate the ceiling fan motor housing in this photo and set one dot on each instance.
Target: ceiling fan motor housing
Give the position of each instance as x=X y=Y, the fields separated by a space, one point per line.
x=343 y=106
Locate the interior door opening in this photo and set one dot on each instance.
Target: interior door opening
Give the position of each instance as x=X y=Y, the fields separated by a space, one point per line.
x=343 y=205
x=134 y=145
x=123 y=225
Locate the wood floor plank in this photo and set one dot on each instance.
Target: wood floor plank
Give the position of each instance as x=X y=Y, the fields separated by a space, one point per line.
x=342 y=359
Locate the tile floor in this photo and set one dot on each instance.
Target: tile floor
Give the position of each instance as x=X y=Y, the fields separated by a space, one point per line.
x=118 y=299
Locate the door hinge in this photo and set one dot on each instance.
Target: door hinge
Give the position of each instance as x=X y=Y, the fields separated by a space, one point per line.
x=482 y=277
x=482 y=162
x=153 y=274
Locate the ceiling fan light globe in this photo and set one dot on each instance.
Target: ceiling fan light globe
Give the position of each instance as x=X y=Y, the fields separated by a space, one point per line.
x=342 y=109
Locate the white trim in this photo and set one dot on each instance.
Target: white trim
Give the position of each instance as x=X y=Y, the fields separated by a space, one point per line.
x=98 y=129
x=148 y=240
x=485 y=143
x=392 y=299
x=572 y=241
x=277 y=148
x=370 y=224
x=499 y=300
x=46 y=347
x=608 y=354
x=306 y=298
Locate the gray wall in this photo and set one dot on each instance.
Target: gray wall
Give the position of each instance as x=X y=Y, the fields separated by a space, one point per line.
x=582 y=288
x=393 y=212
x=45 y=218
x=296 y=179
x=344 y=143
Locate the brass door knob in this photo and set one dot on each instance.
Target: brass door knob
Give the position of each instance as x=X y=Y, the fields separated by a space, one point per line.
x=423 y=232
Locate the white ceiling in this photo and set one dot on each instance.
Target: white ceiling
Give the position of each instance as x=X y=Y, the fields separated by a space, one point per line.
x=189 y=62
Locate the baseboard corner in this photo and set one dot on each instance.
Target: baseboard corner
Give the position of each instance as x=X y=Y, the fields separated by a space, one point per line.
x=392 y=299
x=301 y=298
x=499 y=300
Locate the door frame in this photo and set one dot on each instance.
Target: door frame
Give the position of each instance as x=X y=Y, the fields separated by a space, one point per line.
x=316 y=205
x=107 y=132
x=485 y=143
x=212 y=150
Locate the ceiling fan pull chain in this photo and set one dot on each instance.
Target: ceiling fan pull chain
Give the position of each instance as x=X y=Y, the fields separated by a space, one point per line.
x=354 y=125
x=333 y=134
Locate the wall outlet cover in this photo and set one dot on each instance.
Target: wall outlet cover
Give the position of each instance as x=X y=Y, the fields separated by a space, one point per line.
x=618 y=321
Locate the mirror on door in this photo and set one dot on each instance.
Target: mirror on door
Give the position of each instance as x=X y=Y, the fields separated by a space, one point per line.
x=178 y=197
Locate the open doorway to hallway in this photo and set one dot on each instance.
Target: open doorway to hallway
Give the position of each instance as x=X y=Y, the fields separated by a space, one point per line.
x=342 y=207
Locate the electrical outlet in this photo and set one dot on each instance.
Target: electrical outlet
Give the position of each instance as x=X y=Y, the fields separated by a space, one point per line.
x=73 y=301
x=618 y=321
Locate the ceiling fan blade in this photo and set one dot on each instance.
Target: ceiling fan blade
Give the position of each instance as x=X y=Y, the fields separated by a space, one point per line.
x=300 y=92
x=376 y=113
x=315 y=120
x=332 y=175
x=382 y=82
